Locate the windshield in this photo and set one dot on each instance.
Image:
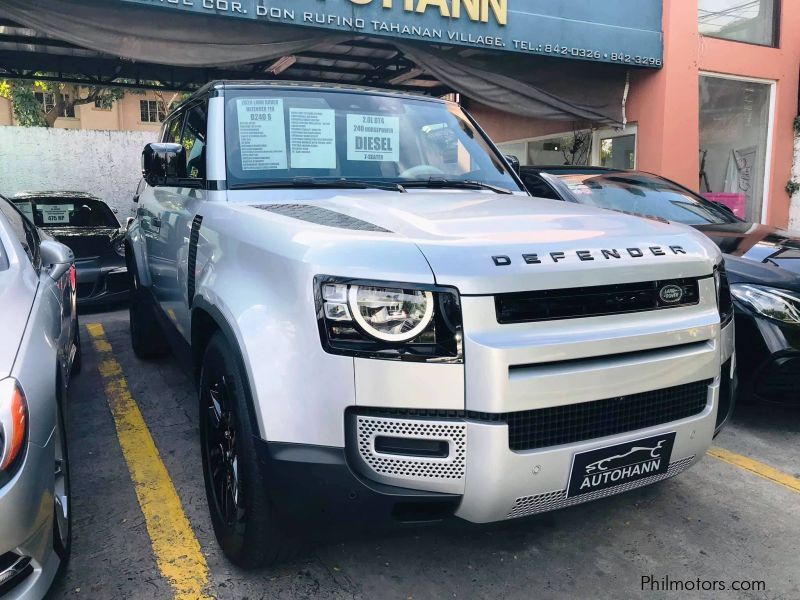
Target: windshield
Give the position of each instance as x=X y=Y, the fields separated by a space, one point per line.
x=282 y=135
x=643 y=195
x=67 y=212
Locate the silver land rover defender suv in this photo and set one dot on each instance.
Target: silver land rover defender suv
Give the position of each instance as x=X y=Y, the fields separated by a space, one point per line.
x=383 y=324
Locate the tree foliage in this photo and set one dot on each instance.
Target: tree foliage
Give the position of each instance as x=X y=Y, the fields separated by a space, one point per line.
x=29 y=112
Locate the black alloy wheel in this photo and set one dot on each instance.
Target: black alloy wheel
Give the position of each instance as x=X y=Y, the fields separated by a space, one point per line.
x=221 y=452
x=246 y=524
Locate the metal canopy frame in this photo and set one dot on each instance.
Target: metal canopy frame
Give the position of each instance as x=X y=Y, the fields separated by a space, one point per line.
x=28 y=54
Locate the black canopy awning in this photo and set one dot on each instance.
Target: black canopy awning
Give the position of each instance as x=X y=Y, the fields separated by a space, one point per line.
x=100 y=43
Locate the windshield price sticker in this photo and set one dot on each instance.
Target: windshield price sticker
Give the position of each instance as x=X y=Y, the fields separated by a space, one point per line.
x=262 y=133
x=56 y=213
x=313 y=138
x=373 y=138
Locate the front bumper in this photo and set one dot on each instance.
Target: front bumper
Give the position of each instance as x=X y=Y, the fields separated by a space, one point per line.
x=26 y=525
x=768 y=353
x=481 y=481
x=495 y=482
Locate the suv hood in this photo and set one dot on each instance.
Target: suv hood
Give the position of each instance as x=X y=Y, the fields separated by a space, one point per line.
x=476 y=241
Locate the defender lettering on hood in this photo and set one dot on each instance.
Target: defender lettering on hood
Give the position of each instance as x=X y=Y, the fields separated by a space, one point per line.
x=589 y=255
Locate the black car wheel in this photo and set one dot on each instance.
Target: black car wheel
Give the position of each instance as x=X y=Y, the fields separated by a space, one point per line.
x=62 y=509
x=245 y=522
x=146 y=335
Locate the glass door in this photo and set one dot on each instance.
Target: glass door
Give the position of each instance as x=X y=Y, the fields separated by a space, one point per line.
x=734 y=143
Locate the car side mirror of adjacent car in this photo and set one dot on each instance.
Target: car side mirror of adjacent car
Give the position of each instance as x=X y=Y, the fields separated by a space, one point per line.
x=163 y=164
x=128 y=222
x=513 y=161
x=56 y=258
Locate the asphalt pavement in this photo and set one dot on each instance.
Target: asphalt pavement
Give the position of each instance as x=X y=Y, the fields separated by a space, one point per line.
x=730 y=522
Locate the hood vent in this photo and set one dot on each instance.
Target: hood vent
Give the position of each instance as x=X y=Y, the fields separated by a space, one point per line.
x=321 y=216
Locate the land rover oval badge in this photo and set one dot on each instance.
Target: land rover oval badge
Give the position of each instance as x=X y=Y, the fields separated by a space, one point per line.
x=671 y=294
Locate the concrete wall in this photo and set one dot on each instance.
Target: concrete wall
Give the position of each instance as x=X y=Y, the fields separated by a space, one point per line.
x=104 y=163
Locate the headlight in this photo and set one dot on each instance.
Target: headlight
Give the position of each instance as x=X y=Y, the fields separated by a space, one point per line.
x=773 y=303
x=377 y=320
x=13 y=427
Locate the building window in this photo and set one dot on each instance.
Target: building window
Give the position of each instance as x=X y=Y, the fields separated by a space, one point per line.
x=564 y=149
x=618 y=151
x=750 y=21
x=48 y=102
x=612 y=148
x=151 y=111
x=734 y=137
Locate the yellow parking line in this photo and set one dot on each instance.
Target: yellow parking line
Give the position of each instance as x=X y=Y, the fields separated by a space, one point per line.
x=757 y=468
x=175 y=546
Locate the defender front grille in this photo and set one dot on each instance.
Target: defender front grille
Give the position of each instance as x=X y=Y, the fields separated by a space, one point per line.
x=593 y=301
x=553 y=426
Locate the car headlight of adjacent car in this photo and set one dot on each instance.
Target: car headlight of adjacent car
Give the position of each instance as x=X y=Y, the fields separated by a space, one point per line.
x=773 y=303
x=13 y=428
x=387 y=320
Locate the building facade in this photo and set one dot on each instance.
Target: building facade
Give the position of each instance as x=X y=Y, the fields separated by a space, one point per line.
x=136 y=111
x=717 y=117
x=710 y=101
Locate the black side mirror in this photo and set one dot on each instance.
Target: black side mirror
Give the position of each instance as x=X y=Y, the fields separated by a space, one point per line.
x=163 y=164
x=513 y=161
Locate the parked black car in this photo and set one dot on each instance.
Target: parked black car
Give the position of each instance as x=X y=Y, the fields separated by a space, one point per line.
x=90 y=228
x=762 y=262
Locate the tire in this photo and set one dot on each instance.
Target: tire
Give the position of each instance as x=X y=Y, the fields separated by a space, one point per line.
x=245 y=522
x=62 y=493
x=146 y=335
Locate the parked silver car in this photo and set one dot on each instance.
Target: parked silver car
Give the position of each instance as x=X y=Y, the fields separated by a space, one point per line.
x=39 y=349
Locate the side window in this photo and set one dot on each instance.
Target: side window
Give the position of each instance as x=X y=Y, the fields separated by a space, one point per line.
x=172 y=129
x=23 y=229
x=538 y=187
x=194 y=140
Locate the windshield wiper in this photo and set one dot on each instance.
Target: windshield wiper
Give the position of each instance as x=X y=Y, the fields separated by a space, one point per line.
x=440 y=183
x=317 y=183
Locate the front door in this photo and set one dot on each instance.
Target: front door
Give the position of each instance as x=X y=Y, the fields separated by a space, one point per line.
x=174 y=209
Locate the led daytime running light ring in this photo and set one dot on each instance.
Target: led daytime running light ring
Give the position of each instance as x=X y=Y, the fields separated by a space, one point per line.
x=352 y=300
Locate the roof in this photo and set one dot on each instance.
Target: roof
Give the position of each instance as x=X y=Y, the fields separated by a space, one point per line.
x=25 y=51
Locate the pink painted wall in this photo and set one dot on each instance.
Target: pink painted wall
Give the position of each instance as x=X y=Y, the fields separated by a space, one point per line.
x=666 y=103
